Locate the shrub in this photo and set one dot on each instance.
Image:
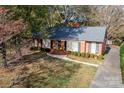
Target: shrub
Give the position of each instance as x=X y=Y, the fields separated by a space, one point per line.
x=75 y=53
x=34 y=48
x=42 y=49
x=117 y=42
x=46 y=49
x=83 y=54
x=87 y=55
x=92 y=55
x=78 y=54
x=100 y=57
x=72 y=53
x=95 y=57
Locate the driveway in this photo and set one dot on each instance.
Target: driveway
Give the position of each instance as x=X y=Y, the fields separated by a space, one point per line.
x=108 y=74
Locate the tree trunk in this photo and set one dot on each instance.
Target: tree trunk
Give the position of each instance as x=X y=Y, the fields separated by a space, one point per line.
x=19 y=52
x=18 y=46
x=4 y=55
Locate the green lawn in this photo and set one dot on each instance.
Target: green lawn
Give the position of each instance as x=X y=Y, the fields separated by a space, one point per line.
x=47 y=72
x=50 y=72
x=122 y=61
x=83 y=78
x=44 y=72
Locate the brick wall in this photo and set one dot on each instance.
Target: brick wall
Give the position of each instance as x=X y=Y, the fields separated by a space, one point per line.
x=101 y=48
x=83 y=46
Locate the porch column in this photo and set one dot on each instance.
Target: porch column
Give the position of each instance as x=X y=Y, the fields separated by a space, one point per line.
x=83 y=46
x=39 y=43
x=52 y=44
x=63 y=45
x=35 y=42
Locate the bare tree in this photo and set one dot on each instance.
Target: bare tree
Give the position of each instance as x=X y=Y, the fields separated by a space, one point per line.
x=8 y=29
x=112 y=18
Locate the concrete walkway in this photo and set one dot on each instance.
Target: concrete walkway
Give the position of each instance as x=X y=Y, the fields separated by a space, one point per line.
x=108 y=74
x=68 y=59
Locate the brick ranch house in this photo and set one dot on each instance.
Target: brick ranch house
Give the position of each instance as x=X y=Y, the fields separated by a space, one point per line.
x=79 y=39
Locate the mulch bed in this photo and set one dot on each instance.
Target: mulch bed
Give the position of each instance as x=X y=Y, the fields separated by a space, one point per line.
x=58 y=52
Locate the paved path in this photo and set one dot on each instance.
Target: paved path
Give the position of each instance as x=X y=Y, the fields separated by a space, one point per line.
x=68 y=59
x=108 y=74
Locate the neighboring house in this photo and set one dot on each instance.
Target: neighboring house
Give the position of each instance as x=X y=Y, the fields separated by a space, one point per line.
x=109 y=42
x=80 y=39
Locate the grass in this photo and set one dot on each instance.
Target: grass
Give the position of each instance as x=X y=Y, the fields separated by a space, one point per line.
x=83 y=78
x=50 y=73
x=122 y=61
x=47 y=72
x=44 y=72
x=89 y=60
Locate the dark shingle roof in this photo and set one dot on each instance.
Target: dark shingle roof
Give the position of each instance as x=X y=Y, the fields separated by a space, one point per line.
x=96 y=34
x=81 y=33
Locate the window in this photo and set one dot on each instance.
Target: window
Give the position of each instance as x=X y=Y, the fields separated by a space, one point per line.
x=93 y=47
x=46 y=43
x=89 y=47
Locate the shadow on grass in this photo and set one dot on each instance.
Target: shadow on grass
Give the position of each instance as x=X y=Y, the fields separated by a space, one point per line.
x=27 y=59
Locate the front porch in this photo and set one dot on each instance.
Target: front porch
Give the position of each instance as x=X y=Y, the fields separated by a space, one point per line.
x=57 y=47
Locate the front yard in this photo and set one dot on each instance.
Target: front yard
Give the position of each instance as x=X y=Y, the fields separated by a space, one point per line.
x=83 y=78
x=46 y=72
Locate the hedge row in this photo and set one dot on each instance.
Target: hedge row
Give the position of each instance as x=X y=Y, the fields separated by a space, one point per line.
x=34 y=48
x=87 y=55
